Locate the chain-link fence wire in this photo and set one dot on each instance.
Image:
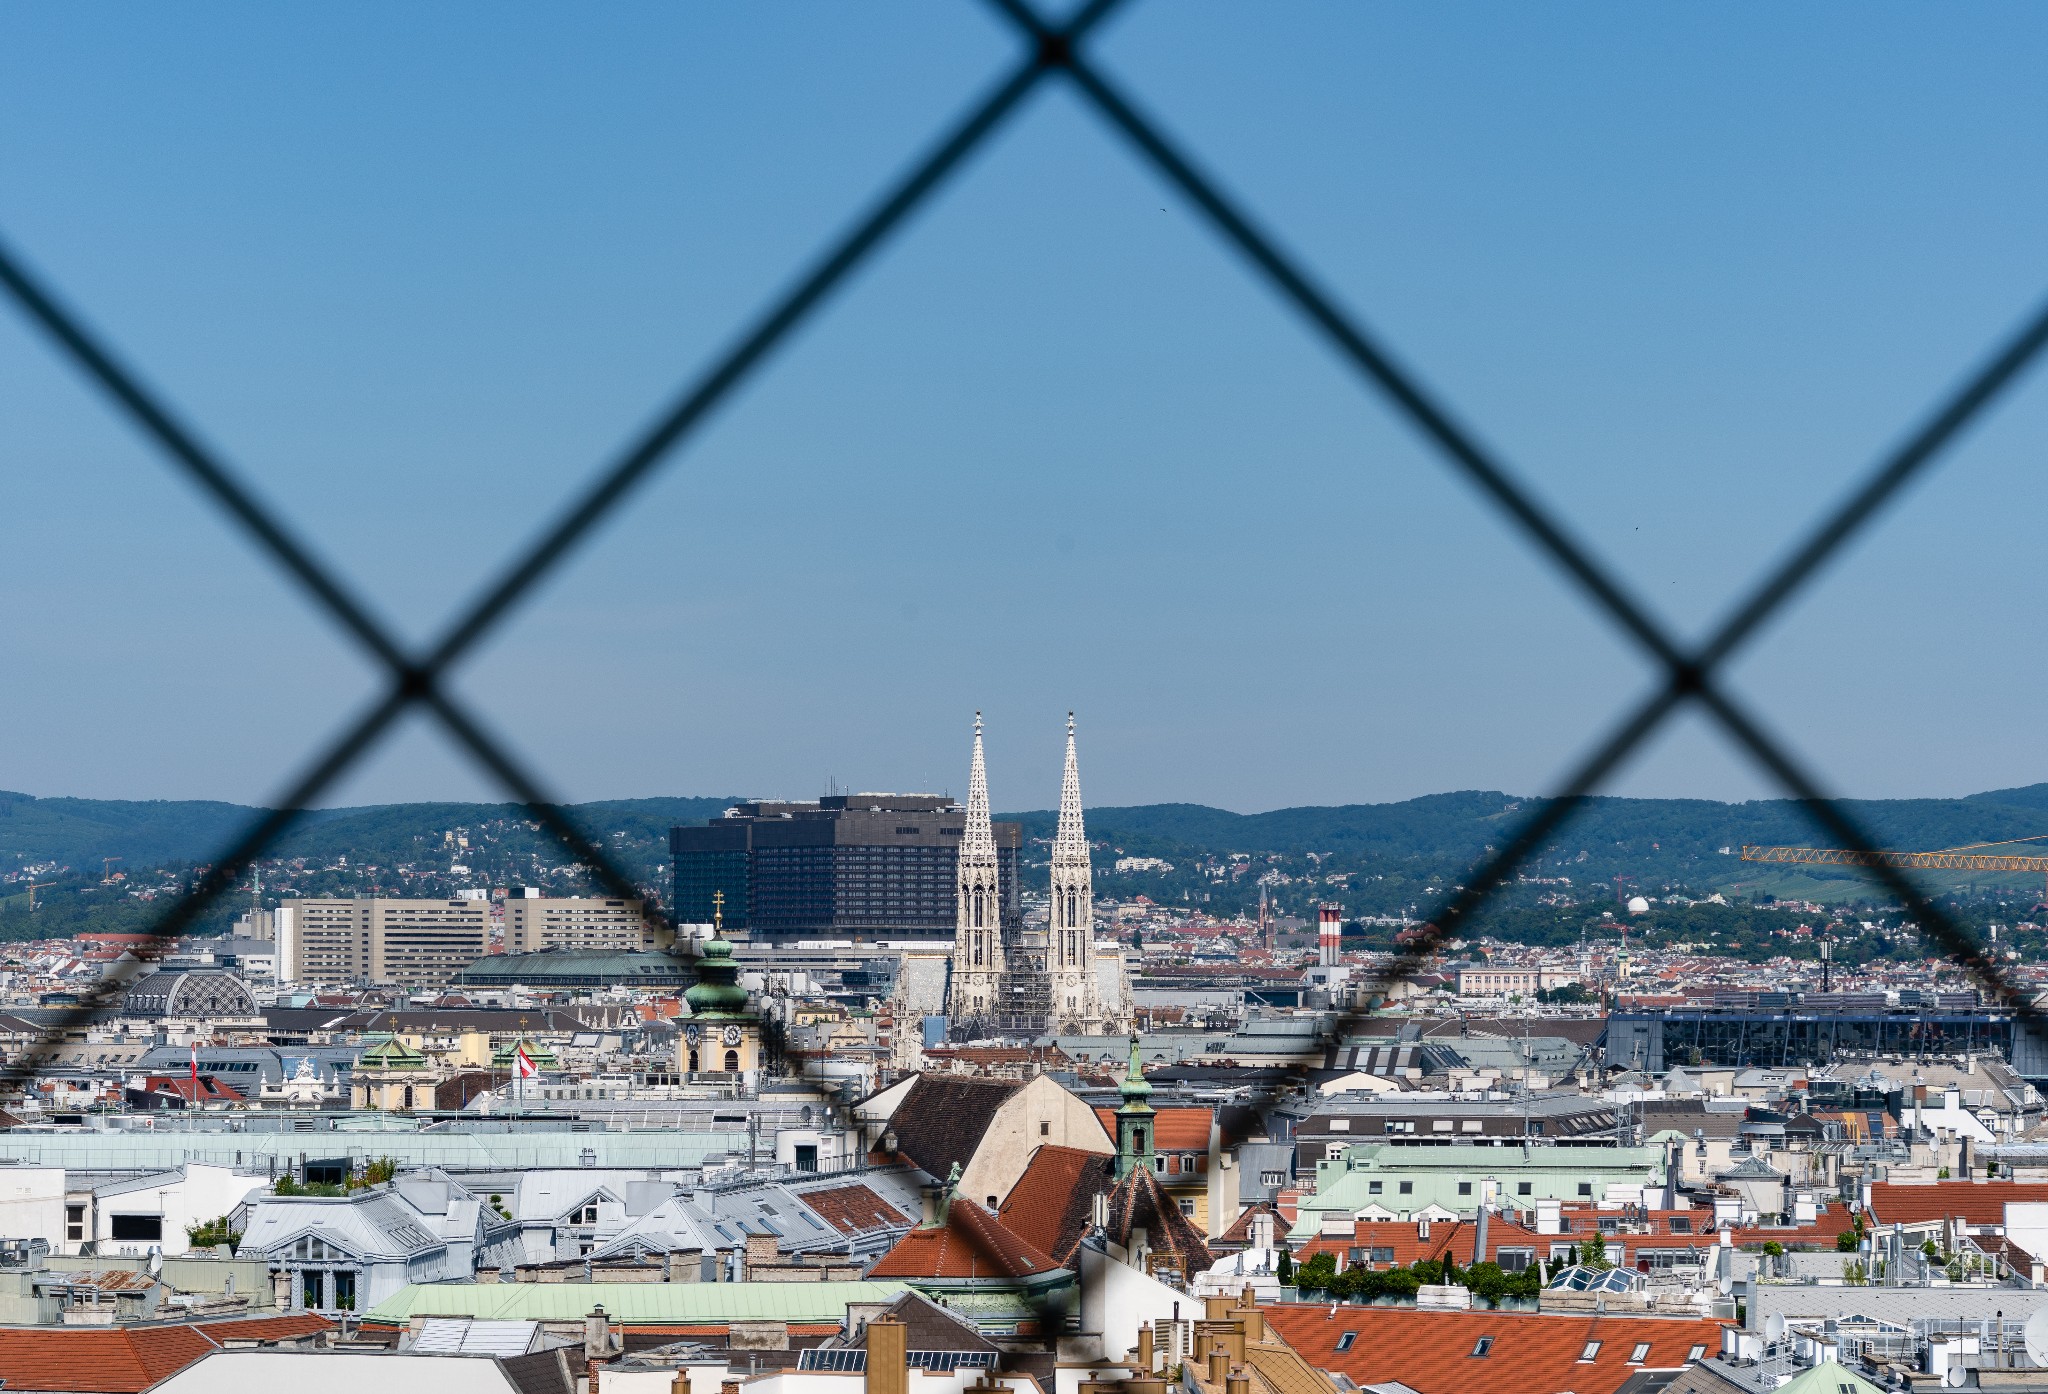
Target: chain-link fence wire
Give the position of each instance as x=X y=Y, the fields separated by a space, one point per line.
x=1053 y=50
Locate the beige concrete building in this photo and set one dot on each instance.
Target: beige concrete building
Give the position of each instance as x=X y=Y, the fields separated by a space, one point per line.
x=413 y=943
x=533 y=923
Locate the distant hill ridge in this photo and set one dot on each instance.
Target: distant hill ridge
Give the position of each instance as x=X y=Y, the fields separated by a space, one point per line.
x=1455 y=826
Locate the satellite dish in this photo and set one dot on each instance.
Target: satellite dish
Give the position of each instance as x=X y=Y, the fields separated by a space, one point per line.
x=1774 y=1327
x=2035 y=1335
x=1953 y=1376
x=1727 y=1286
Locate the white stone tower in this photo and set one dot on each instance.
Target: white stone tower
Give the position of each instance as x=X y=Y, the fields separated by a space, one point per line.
x=978 y=906
x=1070 y=954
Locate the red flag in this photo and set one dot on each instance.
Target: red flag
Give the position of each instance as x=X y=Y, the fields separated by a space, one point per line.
x=195 y=1069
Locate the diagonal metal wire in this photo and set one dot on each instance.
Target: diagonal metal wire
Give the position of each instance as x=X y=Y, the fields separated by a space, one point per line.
x=1689 y=673
x=1689 y=676
x=418 y=682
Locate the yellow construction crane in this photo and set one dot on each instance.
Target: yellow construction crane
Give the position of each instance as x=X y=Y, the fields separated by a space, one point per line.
x=33 y=887
x=1964 y=858
x=107 y=870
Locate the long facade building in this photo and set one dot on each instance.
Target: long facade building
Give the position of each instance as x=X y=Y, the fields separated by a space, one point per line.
x=413 y=943
x=533 y=923
x=870 y=865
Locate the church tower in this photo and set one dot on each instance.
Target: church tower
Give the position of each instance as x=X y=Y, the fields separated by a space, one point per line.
x=978 y=908
x=1070 y=954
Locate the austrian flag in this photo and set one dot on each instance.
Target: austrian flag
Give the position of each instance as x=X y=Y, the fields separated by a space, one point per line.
x=522 y=1063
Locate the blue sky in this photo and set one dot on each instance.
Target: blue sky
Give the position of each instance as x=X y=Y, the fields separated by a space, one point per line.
x=417 y=271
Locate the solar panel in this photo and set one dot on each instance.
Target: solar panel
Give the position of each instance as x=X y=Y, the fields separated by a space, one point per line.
x=854 y=1360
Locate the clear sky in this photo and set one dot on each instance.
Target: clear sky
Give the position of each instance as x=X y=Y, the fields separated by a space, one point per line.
x=417 y=270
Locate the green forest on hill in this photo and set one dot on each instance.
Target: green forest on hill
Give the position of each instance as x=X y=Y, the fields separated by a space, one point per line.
x=1375 y=860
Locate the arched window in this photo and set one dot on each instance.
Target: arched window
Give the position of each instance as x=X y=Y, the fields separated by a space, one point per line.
x=732 y=1062
x=1073 y=948
x=408 y=1096
x=977 y=907
x=977 y=948
x=693 y=1062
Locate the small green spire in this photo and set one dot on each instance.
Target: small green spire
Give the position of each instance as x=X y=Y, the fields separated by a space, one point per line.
x=717 y=991
x=1134 y=1119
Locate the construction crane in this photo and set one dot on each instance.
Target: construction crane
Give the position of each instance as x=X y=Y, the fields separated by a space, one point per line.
x=107 y=870
x=33 y=887
x=1965 y=858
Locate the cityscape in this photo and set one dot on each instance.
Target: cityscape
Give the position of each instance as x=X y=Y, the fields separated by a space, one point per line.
x=1033 y=697
x=975 y=1120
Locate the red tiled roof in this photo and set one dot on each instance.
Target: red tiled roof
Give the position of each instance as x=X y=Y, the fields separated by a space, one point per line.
x=1173 y=1129
x=971 y=1244
x=1432 y=1352
x=126 y=1360
x=1975 y=1202
x=851 y=1209
x=1048 y=1207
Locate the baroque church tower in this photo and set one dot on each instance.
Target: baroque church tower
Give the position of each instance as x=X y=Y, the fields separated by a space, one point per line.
x=1070 y=954
x=978 y=906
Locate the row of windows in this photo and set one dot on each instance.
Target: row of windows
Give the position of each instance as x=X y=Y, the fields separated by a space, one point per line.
x=1638 y=1354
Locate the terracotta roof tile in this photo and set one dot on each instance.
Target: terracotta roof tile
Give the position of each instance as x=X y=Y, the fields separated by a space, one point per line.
x=126 y=1360
x=1048 y=1207
x=1173 y=1129
x=971 y=1244
x=1432 y=1352
x=852 y=1209
x=1976 y=1202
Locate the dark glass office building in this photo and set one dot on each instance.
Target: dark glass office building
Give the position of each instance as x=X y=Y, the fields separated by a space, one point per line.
x=872 y=865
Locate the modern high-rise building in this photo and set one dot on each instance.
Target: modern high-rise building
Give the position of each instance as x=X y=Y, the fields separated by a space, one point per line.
x=534 y=922
x=876 y=866
x=412 y=943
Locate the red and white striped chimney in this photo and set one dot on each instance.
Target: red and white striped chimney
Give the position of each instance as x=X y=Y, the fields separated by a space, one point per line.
x=1330 y=936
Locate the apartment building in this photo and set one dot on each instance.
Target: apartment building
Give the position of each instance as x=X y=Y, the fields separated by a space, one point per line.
x=413 y=943
x=533 y=923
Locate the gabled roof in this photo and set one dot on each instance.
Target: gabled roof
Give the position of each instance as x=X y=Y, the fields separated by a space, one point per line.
x=1173 y=1129
x=1049 y=1205
x=971 y=1243
x=126 y=1360
x=928 y=1326
x=1240 y=1233
x=1433 y=1352
x=941 y=1121
x=1975 y=1202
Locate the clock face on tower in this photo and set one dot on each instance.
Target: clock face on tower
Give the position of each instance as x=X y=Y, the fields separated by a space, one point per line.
x=732 y=1035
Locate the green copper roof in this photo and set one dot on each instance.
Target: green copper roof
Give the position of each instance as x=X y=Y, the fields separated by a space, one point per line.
x=631 y=1303
x=718 y=991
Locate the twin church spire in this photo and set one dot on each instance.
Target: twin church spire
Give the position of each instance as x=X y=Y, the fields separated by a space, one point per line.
x=983 y=957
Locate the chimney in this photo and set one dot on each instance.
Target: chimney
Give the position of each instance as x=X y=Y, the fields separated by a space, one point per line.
x=1329 y=936
x=597 y=1336
x=1145 y=1349
x=681 y=1383
x=1219 y=1366
x=1248 y=1313
x=1216 y=1308
x=1237 y=1383
x=888 y=1343
x=1479 y=1239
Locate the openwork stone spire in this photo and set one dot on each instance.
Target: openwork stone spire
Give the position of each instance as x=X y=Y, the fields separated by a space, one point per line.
x=1070 y=957
x=977 y=972
x=980 y=837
